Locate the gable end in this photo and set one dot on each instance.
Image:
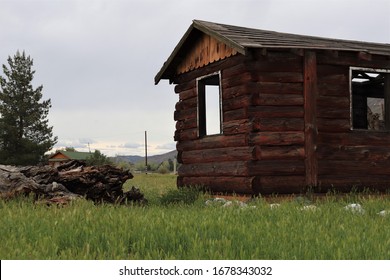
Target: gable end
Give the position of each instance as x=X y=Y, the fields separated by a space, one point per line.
x=204 y=51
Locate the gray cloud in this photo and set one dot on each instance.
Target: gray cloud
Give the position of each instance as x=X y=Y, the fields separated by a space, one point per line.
x=166 y=146
x=97 y=59
x=131 y=145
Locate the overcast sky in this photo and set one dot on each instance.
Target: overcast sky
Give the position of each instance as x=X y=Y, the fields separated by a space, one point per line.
x=97 y=59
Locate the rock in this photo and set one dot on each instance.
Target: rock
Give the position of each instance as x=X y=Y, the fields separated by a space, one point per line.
x=355 y=208
x=226 y=203
x=384 y=213
x=274 y=205
x=309 y=208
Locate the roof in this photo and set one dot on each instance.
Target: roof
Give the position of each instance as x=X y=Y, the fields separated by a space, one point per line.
x=71 y=155
x=243 y=38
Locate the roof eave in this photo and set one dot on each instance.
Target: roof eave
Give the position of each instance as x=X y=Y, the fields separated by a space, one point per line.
x=229 y=42
x=162 y=73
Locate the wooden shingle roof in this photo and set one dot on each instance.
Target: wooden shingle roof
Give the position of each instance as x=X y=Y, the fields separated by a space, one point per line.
x=242 y=38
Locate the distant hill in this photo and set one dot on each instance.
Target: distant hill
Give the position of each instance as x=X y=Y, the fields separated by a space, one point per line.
x=151 y=159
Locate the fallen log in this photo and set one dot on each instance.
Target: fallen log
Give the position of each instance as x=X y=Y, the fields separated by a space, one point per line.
x=69 y=181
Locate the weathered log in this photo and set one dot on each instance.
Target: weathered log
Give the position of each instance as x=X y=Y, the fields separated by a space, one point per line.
x=333 y=125
x=184 y=86
x=351 y=59
x=188 y=94
x=240 y=90
x=279 y=184
x=68 y=181
x=279 y=88
x=216 y=184
x=350 y=182
x=187 y=124
x=237 y=102
x=289 y=63
x=280 y=152
x=186 y=134
x=214 y=169
x=334 y=101
x=278 y=124
x=238 y=114
x=333 y=112
x=189 y=113
x=218 y=155
x=278 y=99
x=14 y=183
x=326 y=89
x=354 y=153
x=244 y=77
x=217 y=141
x=355 y=138
x=288 y=77
x=276 y=167
x=276 y=111
x=237 y=127
x=350 y=167
x=187 y=104
x=277 y=138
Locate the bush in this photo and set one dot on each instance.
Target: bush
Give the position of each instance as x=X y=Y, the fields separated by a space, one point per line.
x=163 y=169
x=98 y=159
x=187 y=195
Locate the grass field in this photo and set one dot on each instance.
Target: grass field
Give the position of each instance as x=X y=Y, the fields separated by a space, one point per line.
x=194 y=230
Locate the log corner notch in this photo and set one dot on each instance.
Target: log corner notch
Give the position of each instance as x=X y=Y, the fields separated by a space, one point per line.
x=310 y=93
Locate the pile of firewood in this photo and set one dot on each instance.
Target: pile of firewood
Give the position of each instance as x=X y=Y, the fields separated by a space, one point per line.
x=67 y=182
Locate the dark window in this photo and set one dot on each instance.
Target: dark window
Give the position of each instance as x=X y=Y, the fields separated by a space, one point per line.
x=209 y=105
x=370 y=90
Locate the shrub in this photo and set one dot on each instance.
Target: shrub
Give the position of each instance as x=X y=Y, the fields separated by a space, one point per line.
x=187 y=195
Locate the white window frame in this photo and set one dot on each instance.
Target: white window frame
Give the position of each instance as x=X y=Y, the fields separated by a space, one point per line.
x=387 y=102
x=202 y=107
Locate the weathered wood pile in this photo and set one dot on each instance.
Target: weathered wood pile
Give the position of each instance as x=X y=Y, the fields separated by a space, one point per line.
x=67 y=182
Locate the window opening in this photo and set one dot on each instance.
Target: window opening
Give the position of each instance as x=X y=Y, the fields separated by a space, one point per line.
x=370 y=95
x=209 y=105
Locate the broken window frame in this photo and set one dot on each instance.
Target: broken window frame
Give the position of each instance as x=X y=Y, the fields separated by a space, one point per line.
x=213 y=79
x=386 y=97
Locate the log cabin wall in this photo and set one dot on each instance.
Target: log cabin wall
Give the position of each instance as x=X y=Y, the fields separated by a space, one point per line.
x=264 y=145
x=261 y=148
x=217 y=162
x=347 y=158
x=277 y=113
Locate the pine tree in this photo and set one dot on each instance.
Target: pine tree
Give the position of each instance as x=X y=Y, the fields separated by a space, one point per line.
x=24 y=131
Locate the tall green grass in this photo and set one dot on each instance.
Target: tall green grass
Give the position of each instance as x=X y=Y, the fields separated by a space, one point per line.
x=192 y=230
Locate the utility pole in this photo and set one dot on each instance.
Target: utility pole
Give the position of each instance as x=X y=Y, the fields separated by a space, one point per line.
x=146 y=151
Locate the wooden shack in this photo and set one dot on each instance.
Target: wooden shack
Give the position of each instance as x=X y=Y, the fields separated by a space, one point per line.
x=61 y=157
x=293 y=111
